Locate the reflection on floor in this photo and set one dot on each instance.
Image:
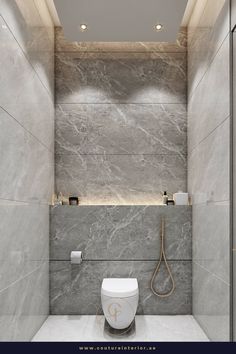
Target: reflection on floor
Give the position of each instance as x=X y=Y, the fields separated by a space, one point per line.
x=94 y=329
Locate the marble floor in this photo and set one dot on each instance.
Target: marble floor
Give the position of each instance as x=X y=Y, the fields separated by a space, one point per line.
x=94 y=329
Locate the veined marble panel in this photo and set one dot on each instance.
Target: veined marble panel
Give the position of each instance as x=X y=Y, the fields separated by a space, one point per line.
x=121 y=129
x=208 y=167
x=78 y=228
x=207 y=110
x=120 y=77
x=62 y=45
x=77 y=289
x=24 y=230
x=24 y=306
x=21 y=93
x=26 y=172
x=119 y=179
x=211 y=303
x=211 y=238
x=35 y=39
x=211 y=30
x=120 y=232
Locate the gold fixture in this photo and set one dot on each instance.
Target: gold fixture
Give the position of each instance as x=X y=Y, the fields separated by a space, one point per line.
x=162 y=257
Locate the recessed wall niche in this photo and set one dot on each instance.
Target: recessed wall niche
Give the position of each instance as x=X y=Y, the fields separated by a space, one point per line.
x=120 y=120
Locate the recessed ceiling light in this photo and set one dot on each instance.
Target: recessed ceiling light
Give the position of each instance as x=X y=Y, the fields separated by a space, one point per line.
x=159 y=27
x=83 y=27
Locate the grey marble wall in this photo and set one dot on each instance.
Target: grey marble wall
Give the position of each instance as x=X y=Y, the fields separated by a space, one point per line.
x=208 y=164
x=120 y=120
x=26 y=165
x=119 y=241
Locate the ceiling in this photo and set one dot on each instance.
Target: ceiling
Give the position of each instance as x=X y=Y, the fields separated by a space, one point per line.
x=121 y=20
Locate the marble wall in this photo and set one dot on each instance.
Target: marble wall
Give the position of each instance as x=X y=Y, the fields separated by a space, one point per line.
x=209 y=163
x=120 y=120
x=26 y=160
x=119 y=241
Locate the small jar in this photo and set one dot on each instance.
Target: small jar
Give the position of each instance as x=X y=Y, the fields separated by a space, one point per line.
x=73 y=201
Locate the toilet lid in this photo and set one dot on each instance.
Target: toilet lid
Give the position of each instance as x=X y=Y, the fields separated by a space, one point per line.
x=119 y=287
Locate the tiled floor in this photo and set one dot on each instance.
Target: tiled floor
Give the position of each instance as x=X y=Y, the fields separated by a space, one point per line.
x=147 y=328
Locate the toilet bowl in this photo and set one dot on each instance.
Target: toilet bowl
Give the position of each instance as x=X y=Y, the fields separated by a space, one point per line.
x=119 y=298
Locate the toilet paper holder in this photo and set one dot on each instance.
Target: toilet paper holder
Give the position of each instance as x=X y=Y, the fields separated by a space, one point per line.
x=76 y=257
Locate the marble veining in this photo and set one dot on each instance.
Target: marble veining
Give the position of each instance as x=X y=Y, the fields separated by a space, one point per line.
x=120 y=179
x=119 y=241
x=76 y=289
x=120 y=77
x=121 y=129
x=120 y=232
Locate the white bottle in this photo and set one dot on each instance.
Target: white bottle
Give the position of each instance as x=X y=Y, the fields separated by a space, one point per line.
x=165 y=198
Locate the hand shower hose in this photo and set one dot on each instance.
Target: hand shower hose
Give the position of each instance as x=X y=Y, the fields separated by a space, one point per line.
x=162 y=256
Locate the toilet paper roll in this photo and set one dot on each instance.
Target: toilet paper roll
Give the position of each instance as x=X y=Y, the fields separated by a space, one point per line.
x=76 y=257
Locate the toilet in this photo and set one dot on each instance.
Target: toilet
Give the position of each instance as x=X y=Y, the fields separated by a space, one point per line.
x=119 y=298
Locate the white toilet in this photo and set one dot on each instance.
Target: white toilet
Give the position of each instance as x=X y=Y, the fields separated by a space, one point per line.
x=119 y=301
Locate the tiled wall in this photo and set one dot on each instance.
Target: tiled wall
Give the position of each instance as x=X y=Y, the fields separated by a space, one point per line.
x=26 y=165
x=208 y=163
x=120 y=120
x=119 y=241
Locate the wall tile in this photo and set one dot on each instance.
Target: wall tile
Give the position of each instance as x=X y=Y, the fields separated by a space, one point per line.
x=26 y=172
x=209 y=162
x=206 y=111
x=120 y=232
x=124 y=77
x=27 y=166
x=35 y=39
x=83 y=228
x=121 y=129
x=234 y=298
x=233 y=14
x=22 y=94
x=211 y=303
x=119 y=179
x=207 y=38
x=76 y=289
x=24 y=306
x=24 y=233
x=211 y=238
x=208 y=167
x=62 y=45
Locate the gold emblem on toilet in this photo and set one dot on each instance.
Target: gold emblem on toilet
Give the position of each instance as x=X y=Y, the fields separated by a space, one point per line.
x=114 y=310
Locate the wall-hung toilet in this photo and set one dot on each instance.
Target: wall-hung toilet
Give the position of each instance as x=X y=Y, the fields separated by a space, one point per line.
x=119 y=298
